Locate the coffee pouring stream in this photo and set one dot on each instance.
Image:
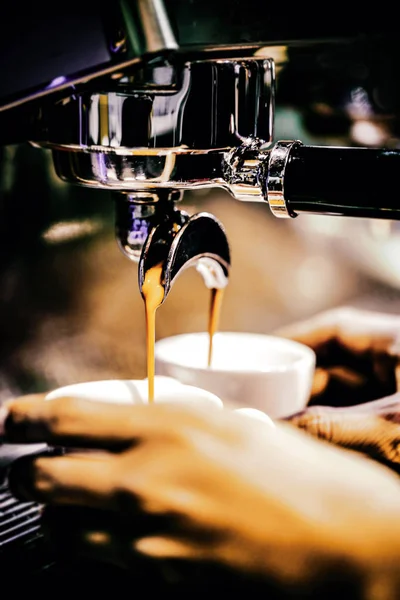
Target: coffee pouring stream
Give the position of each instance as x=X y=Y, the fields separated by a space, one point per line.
x=165 y=241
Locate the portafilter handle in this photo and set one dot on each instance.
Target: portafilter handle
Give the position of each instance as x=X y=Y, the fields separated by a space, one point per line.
x=294 y=178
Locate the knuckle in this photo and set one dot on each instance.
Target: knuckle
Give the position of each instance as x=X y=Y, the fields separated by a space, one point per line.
x=64 y=415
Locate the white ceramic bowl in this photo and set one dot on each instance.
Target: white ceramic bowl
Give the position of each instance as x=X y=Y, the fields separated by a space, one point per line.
x=264 y=372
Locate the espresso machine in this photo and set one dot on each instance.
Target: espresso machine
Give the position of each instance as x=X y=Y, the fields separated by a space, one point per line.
x=144 y=99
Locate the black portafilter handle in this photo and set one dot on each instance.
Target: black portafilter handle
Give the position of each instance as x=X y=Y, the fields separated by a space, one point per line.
x=346 y=181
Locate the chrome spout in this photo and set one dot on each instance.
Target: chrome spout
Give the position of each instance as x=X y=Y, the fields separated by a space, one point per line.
x=181 y=242
x=138 y=213
x=151 y=230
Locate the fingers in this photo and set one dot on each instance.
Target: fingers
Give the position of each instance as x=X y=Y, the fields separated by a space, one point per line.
x=4 y=410
x=387 y=408
x=342 y=320
x=369 y=434
x=326 y=326
x=313 y=332
x=365 y=342
x=87 y=480
x=67 y=420
x=343 y=386
x=338 y=386
x=85 y=423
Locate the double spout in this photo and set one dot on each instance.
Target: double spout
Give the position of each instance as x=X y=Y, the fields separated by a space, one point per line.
x=152 y=231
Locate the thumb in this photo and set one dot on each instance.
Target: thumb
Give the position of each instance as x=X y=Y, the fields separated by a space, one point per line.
x=369 y=434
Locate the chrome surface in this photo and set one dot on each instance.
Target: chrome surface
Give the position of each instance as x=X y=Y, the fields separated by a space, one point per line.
x=138 y=213
x=167 y=109
x=156 y=30
x=273 y=178
x=180 y=242
x=253 y=171
x=140 y=173
x=241 y=170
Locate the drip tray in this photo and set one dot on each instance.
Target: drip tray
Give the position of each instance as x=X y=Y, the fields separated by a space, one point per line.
x=21 y=541
x=22 y=545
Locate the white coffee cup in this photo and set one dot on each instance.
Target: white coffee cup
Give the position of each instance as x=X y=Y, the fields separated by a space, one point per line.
x=263 y=372
x=130 y=391
x=135 y=391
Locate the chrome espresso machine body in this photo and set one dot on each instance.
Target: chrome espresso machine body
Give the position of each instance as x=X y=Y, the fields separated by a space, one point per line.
x=150 y=98
x=144 y=99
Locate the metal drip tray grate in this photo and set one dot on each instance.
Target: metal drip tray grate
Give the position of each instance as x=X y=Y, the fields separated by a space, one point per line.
x=18 y=520
x=21 y=541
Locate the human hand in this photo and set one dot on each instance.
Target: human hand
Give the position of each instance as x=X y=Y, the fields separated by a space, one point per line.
x=357 y=360
x=358 y=354
x=179 y=482
x=371 y=428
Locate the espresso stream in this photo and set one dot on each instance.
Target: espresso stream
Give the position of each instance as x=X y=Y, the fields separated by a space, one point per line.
x=213 y=318
x=153 y=294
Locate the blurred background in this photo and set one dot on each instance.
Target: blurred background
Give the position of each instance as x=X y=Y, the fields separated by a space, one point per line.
x=70 y=305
